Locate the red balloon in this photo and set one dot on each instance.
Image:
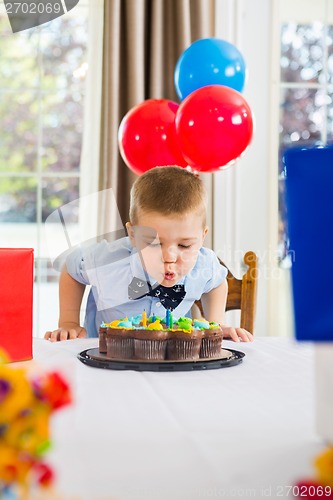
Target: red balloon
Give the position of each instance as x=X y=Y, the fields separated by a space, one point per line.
x=147 y=136
x=214 y=127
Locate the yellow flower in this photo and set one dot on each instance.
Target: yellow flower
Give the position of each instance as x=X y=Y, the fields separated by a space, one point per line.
x=15 y=393
x=25 y=409
x=29 y=433
x=13 y=467
x=324 y=467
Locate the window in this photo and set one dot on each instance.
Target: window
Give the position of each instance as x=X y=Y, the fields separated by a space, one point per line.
x=306 y=85
x=42 y=82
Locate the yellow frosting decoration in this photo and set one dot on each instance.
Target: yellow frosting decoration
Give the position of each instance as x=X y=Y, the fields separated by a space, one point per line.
x=156 y=325
x=181 y=330
x=114 y=323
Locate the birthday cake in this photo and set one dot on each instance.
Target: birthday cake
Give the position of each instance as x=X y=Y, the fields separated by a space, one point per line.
x=154 y=338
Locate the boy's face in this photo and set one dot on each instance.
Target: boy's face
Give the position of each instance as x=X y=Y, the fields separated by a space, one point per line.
x=168 y=245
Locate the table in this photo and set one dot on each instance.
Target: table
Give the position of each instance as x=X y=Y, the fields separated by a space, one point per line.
x=237 y=432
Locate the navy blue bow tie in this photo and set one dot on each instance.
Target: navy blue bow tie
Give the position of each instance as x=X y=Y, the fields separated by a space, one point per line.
x=170 y=297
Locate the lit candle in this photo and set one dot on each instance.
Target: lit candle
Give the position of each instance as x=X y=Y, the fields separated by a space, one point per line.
x=144 y=319
x=153 y=319
x=171 y=320
x=167 y=318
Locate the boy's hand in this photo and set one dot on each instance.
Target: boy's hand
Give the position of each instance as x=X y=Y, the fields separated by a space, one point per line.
x=66 y=333
x=236 y=334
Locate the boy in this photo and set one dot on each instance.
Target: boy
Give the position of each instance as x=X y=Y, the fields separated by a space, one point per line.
x=161 y=264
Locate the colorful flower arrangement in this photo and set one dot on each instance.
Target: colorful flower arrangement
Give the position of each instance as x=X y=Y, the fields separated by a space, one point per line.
x=322 y=485
x=26 y=403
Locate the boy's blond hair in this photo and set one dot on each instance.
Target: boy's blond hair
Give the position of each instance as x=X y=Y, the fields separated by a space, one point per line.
x=168 y=190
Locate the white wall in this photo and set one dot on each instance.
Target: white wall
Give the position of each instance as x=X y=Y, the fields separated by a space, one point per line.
x=242 y=215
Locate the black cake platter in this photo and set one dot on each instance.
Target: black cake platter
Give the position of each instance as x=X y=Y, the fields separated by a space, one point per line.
x=228 y=357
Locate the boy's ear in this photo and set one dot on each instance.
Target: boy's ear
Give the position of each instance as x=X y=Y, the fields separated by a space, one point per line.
x=130 y=232
x=205 y=232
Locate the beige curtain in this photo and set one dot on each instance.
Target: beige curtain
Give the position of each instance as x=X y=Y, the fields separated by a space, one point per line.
x=142 y=41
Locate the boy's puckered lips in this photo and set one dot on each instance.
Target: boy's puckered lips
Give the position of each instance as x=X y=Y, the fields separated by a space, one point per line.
x=169 y=276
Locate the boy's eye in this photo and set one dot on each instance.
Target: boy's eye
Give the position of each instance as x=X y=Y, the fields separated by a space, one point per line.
x=184 y=246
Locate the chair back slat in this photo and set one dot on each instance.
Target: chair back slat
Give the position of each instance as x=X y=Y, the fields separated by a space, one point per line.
x=242 y=293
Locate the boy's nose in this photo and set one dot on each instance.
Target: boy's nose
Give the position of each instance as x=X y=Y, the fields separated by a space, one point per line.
x=169 y=255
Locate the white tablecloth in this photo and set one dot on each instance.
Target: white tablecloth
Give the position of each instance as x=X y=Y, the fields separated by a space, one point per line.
x=243 y=431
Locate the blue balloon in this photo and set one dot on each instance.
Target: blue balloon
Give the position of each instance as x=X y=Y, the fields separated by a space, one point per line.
x=209 y=61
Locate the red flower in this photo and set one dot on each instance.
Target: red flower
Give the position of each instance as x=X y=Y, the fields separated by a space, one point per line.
x=53 y=390
x=45 y=474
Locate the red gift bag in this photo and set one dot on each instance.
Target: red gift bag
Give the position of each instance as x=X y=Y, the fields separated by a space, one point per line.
x=16 y=289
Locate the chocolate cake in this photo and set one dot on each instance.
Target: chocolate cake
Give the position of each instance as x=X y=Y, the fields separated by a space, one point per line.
x=155 y=338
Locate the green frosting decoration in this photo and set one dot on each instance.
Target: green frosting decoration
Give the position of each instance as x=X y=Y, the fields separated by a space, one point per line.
x=184 y=323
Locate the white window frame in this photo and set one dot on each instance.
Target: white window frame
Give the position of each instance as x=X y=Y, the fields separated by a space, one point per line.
x=246 y=196
x=45 y=301
x=243 y=211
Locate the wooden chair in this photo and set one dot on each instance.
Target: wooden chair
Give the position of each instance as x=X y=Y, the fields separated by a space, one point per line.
x=242 y=293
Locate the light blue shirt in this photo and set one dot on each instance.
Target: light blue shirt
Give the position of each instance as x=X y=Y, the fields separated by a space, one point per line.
x=110 y=267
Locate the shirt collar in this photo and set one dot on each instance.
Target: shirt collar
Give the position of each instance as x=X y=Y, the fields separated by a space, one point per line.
x=137 y=268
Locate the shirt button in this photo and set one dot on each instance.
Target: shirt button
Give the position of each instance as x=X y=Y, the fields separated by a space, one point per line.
x=158 y=304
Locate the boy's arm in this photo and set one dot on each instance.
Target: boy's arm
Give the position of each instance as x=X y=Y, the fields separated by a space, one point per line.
x=70 y=298
x=213 y=304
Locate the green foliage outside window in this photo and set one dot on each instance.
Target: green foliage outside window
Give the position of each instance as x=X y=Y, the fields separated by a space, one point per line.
x=42 y=75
